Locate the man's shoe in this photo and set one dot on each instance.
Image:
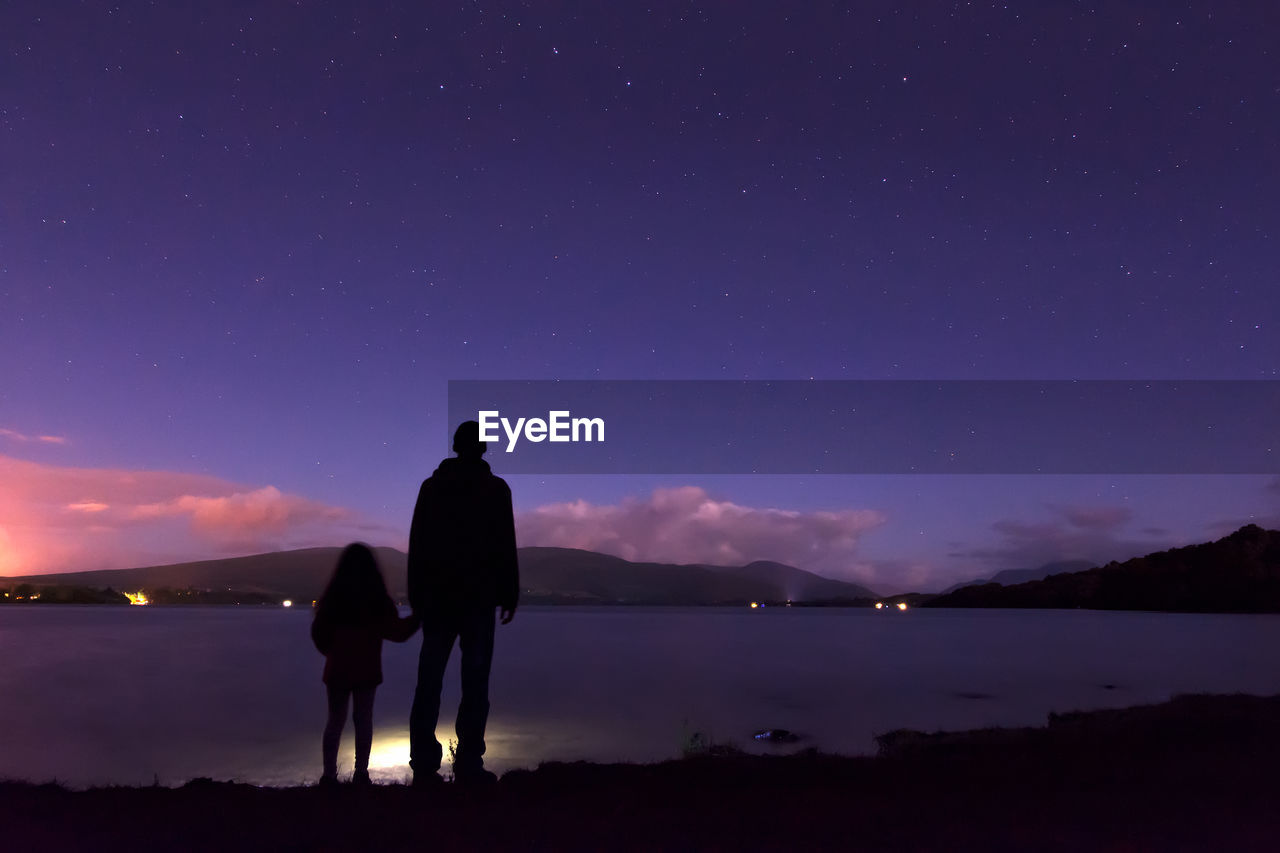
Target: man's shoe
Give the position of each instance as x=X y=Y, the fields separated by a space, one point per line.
x=427 y=781
x=475 y=777
x=327 y=781
x=361 y=777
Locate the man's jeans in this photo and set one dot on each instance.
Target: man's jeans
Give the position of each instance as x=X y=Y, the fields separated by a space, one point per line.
x=474 y=628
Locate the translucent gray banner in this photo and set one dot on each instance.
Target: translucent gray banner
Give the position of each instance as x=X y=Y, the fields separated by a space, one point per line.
x=875 y=426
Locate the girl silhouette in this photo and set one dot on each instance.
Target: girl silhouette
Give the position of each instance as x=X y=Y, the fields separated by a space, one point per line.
x=354 y=615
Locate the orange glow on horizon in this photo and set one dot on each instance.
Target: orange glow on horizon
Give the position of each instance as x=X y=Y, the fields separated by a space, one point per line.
x=58 y=518
x=9 y=562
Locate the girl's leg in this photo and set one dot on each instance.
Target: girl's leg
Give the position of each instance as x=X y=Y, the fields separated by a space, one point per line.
x=362 y=716
x=333 y=728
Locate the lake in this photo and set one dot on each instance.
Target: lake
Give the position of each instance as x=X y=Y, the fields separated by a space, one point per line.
x=132 y=695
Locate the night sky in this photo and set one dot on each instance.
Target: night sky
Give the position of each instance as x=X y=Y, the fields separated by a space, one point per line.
x=244 y=248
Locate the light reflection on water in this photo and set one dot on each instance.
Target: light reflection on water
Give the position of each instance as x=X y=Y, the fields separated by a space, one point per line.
x=95 y=695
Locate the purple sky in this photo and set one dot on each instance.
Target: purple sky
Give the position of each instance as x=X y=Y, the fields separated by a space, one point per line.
x=242 y=250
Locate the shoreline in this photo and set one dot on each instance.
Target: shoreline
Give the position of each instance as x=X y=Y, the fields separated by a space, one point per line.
x=1196 y=771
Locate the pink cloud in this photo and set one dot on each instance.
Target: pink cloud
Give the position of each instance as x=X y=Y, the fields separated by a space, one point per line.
x=88 y=506
x=686 y=525
x=266 y=511
x=57 y=518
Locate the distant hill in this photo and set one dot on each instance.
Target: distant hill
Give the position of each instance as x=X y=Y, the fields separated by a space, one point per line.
x=1239 y=573
x=564 y=574
x=1015 y=576
x=289 y=574
x=547 y=575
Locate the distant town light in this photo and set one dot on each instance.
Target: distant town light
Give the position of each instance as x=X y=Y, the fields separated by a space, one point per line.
x=879 y=605
x=138 y=598
x=288 y=602
x=902 y=605
x=754 y=605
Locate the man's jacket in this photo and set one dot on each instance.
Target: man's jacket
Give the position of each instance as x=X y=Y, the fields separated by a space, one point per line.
x=462 y=545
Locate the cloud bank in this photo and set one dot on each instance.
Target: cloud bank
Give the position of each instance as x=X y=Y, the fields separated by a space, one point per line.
x=687 y=525
x=1095 y=533
x=55 y=518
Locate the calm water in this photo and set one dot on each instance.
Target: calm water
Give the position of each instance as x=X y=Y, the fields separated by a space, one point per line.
x=93 y=695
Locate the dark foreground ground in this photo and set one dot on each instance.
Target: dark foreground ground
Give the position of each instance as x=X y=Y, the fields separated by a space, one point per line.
x=1197 y=773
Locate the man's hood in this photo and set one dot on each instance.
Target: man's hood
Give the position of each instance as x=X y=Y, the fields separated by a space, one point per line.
x=458 y=468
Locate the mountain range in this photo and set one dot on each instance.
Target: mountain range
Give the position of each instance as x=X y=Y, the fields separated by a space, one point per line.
x=547 y=576
x=1239 y=573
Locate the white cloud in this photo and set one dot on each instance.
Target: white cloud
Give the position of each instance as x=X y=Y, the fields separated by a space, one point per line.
x=686 y=525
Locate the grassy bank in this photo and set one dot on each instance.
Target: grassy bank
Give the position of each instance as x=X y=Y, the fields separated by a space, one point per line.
x=1195 y=773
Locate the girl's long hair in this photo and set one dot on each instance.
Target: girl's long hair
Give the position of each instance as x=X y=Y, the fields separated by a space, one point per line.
x=356 y=594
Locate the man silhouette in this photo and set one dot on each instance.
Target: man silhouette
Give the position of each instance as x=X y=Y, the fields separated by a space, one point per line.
x=462 y=564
